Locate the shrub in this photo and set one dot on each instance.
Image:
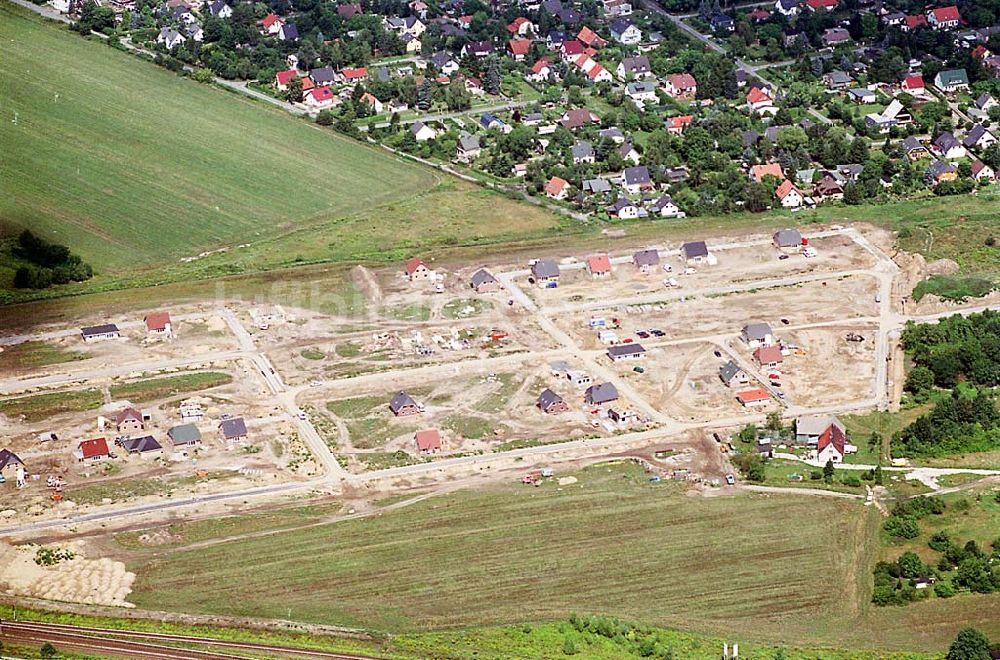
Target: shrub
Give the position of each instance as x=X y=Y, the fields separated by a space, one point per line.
x=904 y=527
x=944 y=590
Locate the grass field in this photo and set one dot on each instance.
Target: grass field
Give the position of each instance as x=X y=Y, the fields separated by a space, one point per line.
x=34 y=354
x=36 y=407
x=134 y=167
x=158 y=388
x=763 y=568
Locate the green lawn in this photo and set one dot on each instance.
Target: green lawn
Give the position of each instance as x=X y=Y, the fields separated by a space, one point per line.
x=159 y=388
x=134 y=167
x=741 y=567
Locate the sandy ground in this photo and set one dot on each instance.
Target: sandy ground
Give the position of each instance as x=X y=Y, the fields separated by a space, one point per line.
x=78 y=580
x=832 y=370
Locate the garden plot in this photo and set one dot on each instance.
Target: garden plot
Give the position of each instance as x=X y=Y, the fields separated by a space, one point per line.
x=683 y=382
x=471 y=414
x=826 y=368
x=845 y=297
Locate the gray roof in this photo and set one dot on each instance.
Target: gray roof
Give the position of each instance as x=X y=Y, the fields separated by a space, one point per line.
x=7 y=457
x=625 y=149
x=638 y=64
x=636 y=175
x=467 y=142
x=974 y=135
x=983 y=99
x=788 y=238
x=545 y=268
x=815 y=424
x=946 y=141
x=910 y=143
x=646 y=258
x=756 y=330
x=582 y=150
x=939 y=167
x=613 y=132
x=233 y=428
x=597 y=186
x=141 y=445
x=99 y=329
x=547 y=398
x=694 y=249
x=729 y=370
x=481 y=277
x=839 y=78
x=621 y=350
x=400 y=401
x=184 y=434
x=601 y=393
x=322 y=75
x=640 y=87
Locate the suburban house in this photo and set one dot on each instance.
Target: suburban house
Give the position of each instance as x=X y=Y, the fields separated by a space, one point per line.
x=539 y=71
x=787 y=239
x=733 y=376
x=158 y=323
x=666 y=208
x=583 y=153
x=417 y=270
x=599 y=265
x=100 y=332
x=646 y=261
x=769 y=357
x=757 y=334
x=319 y=98
x=833 y=37
x=753 y=398
x=914 y=85
x=272 y=24
x=428 y=441
x=170 y=38
x=760 y=101
x=545 y=270
x=483 y=282
x=978 y=137
x=578 y=118
x=129 y=421
x=518 y=48
x=468 y=148
x=636 y=179
x=695 y=252
x=951 y=80
x=323 y=75
x=913 y=149
x=402 y=405
x=758 y=172
x=787 y=8
x=940 y=171
x=631 y=351
x=831 y=445
x=944 y=18
x=625 y=32
x=8 y=458
x=233 y=431
x=681 y=86
x=634 y=66
x=808 y=428
x=145 y=446
x=599 y=394
x=422 y=132
x=676 y=125
x=982 y=172
x=557 y=188
x=184 y=435
x=789 y=196
x=641 y=92
x=551 y=403
x=90 y=451
x=949 y=147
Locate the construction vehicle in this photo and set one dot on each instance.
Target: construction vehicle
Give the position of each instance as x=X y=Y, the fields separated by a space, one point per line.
x=853 y=336
x=532 y=479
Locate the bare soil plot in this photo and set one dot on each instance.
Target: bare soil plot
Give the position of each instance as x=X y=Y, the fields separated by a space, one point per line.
x=683 y=382
x=800 y=304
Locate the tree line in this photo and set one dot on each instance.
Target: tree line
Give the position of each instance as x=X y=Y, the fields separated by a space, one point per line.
x=50 y=263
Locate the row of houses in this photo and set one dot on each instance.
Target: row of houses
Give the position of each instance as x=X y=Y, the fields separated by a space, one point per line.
x=156 y=324
x=232 y=431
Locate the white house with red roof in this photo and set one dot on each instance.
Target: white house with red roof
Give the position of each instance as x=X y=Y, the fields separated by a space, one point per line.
x=944 y=18
x=557 y=188
x=521 y=27
x=158 y=323
x=428 y=441
x=681 y=86
x=831 y=446
x=754 y=398
x=417 y=270
x=789 y=196
x=539 y=71
x=518 y=48
x=282 y=78
x=319 y=98
x=372 y=102
x=272 y=24
x=818 y=5
x=599 y=265
x=760 y=101
x=914 y=86
x=352 y=75
x=91 y=451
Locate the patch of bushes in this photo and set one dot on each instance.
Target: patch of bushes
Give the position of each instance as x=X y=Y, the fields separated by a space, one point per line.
x=50 y=263
x=953 y=287
x=52 y=556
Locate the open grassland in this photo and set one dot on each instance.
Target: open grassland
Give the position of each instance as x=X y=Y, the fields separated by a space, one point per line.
x=158 y=388
x=135 y=167
x=36 y=407
x=771 y=569
x=34 y=354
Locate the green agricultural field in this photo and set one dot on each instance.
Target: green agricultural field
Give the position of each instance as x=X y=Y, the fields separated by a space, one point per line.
x=614 y=544
x=34 y=354
x=134 y=167
x=36 y=407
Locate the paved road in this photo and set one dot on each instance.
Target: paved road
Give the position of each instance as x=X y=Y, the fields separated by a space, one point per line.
x=442 y=116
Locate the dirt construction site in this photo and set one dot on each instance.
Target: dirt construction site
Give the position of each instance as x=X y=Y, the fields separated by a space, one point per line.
x=447 y=379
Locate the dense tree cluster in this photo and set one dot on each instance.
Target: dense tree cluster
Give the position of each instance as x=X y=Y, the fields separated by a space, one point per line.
x=50 y=263
x=953 y=349
x=956 y=424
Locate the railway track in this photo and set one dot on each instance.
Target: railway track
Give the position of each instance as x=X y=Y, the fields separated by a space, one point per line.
x=121 y=643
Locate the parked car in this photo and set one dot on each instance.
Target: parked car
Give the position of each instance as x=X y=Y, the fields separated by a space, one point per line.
x=657 y=333
x=642 y=334
x=730 y=479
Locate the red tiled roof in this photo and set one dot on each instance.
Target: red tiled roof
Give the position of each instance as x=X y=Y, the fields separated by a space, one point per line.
x=572 y=47
x=595 y=71
x=913 y=22
x=980 y=51
x=679 y=122
x=749 y=396
x=413 y=264
x=93 y=448
x=285 y=77
x=682 y=81
x=599 y=263
x=590 y=37
x=784 y=189
x=516 y=24
x=757 y=95
x=769 y=354
x=832 y=435
x=758 y=172
x=271 y=19
x=913 y=82
x=354 y=74
x=157 y=321
x=307 y=84
x=539 y=65
x=428 y=439
x=321 y=93
x=821 y=4
x=555 y=185
x=945 y=14
x=128 y=413
x=519 y=46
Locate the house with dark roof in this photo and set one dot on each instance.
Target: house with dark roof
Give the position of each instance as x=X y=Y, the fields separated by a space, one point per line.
x=646 y=261
x=636 y=179
x=484 y=282
x=939 y=171
x=145 y=446
x=620 y=352
x=757 y=334
x=551 y=403
x=184 y=435
x=8 y=458
x=100 y=332
x=787 y=239
x=978 y=137
x=949 y=147
x=951 y=80
x=545 y=270
x=403 y=405
x=637 y=66
x=695 y=252
x=913 y=149
x=600 y=394
x=733 y=375
x=233 y=431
